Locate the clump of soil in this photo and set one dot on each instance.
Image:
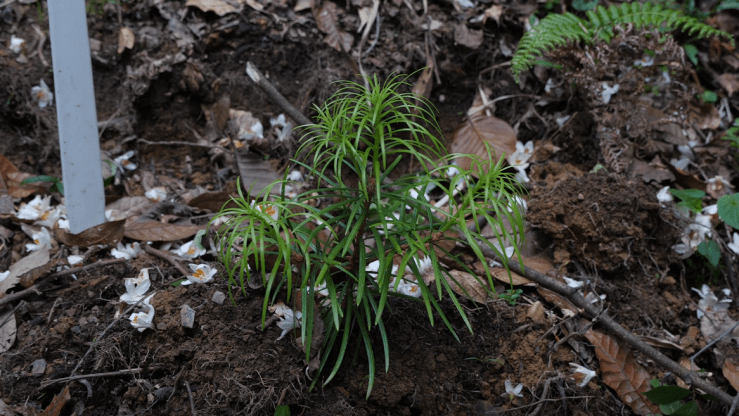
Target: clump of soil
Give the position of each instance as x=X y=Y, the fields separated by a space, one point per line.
x=604 y=221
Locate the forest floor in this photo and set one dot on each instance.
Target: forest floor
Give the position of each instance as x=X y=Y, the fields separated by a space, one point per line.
x=171 y=88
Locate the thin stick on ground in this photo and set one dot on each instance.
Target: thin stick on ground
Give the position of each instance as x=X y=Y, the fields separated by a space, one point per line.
x=275 y=95
x=94 y=375
x=36 y=289
x=192 y=402
x=11 y=314
x=102 y=334
x=159 y=253
x=590 y=309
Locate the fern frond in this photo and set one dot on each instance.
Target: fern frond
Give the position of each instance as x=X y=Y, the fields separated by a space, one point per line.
x=557 y=30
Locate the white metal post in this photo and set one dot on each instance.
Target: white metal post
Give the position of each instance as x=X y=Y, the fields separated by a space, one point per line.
x=75 y=109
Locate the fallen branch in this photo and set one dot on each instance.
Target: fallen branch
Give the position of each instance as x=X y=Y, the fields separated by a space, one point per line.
x=690 y=377
x=36 y=289
x=275 y=95
x=102 y=334
x=159 y=253
x=94 y=375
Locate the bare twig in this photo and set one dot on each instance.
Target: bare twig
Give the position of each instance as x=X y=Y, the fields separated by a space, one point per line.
x=12 y=313
x=275 y=95
x=159 y=253
x=175 y=143
x=94 y=375
x=710 y=344
x=732 y=409
x=689 y=377
x=192 y=402
x=33 y=290
x=101 y=263
x=36 y=289
x=102 y=334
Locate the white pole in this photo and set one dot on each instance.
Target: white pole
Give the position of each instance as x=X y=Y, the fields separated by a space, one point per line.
x=75 y=109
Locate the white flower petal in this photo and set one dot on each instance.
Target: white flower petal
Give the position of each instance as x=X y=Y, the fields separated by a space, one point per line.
x=72 y=260
x=40 y=240
x=157 y=194
x=136 y=287
x=289 y=321
x=189 y=250
x=202 y=273
x=43 y=94
x=575 y=284
x=664 y=195
x=588 y=374
x=734 y=245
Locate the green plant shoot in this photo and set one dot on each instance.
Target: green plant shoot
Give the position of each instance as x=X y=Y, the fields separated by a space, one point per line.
x=366 y=232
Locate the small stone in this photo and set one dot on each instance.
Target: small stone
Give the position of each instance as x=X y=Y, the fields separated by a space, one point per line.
x=161 y=326
x=218 y=297
x=38 y=367
x=187 y=315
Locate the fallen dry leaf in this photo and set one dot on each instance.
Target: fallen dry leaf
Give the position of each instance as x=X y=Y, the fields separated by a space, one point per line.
x=16 y=190
x=466 y=36
x=467 y=285
x=126 y=39
x=729 y=369
x=219 y=7
x=500 y=274
x=212 y=201
x=480 y=130
x=7 y=331
x=159 y=231
x=730 y=82
x=556 y=299
x=36 y=259
x=6 y=166
x=107 y=233
x=621 y=372
x=30 y=277
x=327 y=20
x=256 y=173
x=493 y=12
x=128 y=206
x=57 y=404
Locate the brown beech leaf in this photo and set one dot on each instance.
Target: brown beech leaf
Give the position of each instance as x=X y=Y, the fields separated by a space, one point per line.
x=16 y=190
x=466 y=36
x=256 y=173
x=731 y=372
x=129 y=206
x=31 y=276
x=159 y=231
x=219 y=7
x=478 y=130
x=730 y=82
x=327 y=20
x=126 y=39
x=6 y=166
x=500 y=274
x=556 y=299
x=425 y=82
x=212 y=201
x=621 y=372
x=36 y=259
x=7 y=331
x=107 y=233
x=57 y=404
x=462 y=282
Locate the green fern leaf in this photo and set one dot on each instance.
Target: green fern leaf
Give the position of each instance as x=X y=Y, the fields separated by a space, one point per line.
x=557 y=30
